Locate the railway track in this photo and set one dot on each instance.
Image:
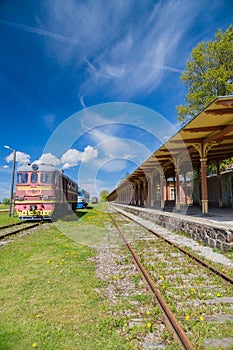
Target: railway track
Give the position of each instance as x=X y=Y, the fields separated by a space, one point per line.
x=199 y=295
x=12 y=229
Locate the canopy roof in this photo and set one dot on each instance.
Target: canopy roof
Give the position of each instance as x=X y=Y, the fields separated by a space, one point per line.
x=209 y=135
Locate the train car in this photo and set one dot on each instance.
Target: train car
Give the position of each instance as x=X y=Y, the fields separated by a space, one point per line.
x=94 y=200
x=83 y=199
x=43 y=192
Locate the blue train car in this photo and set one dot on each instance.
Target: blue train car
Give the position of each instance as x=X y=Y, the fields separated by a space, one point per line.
x=83 y=199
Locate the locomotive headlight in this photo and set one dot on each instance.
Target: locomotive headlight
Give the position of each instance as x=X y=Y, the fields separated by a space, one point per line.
x=33 y=207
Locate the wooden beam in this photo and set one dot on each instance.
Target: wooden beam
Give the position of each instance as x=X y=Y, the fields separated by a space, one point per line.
x=225 y=102
x=205 y=128
x=218 y=136
x=219 y=111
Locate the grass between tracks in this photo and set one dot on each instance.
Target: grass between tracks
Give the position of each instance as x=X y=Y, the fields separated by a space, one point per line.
x=48 y=296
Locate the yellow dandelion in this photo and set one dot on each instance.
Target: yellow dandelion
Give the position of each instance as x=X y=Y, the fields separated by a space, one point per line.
x=193 y=289
x=149 y=325
x=185 y=286
x=218 y=294
x=187 y=317
x=148 y=312
x=201 y=318
x=162 y=278
x=34 y=345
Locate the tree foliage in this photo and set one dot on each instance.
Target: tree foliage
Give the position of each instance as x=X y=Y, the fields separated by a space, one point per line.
x=6 y=201
x=103 y=195
x=208 y=74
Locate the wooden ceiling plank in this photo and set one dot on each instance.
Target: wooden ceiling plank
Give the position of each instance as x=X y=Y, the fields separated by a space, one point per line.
x=220 y=134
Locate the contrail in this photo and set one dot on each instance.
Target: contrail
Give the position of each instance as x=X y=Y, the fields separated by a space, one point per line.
x=38 y=31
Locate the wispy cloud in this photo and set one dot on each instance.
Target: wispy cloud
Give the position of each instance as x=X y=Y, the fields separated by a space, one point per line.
x=130 y=56
x=49 y=121
x=124 y=47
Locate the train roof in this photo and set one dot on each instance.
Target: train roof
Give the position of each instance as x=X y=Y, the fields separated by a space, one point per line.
x=43 y=167
x=38 y=167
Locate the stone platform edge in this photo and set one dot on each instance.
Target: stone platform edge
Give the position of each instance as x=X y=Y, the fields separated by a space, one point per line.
x=210 y=234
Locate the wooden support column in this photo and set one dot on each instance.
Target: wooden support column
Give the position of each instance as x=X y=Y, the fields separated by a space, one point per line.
x=139 y=193
x=185 y=189
x=220 y=202
x=177 y=172
x=203 y=151
x=152 y=198
x=204 y=200
x=177 y=165
x=135 y=194
x=148 y=190
x=144 y=181
x=162 y=183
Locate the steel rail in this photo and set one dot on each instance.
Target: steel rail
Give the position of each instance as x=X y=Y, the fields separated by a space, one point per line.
x=11 y=225
x=19 y=230
x=199 y=260
x=170 y=320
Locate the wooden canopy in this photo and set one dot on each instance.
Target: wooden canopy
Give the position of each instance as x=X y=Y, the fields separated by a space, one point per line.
x=207 y=139
x=209 y=135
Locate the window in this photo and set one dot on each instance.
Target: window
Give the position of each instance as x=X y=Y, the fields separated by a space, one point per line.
x=47 y=178
x=34 y=178
x=22 y=178
x=172 y=193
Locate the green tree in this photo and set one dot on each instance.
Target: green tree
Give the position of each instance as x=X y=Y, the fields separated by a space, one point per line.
x=6 y=201
x=208 y=73
x=103 y=195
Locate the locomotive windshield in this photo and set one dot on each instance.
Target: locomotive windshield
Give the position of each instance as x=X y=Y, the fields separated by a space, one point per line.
x=47 y=178
x=34 y=178
x=22 y=178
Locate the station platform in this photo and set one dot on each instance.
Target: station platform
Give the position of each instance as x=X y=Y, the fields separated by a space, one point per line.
x=214 y=230
x=220 y=216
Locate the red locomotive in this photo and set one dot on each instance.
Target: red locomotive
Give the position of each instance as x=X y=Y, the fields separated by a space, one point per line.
x=42 y=191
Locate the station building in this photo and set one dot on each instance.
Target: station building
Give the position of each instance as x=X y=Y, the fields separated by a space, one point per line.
x=175 y=176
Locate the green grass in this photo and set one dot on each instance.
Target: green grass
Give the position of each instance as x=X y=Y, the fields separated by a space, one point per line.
x=5 y=219
x=48 y=296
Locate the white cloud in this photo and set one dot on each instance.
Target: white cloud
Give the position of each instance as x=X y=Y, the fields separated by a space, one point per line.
x=21 y=158
x=5 y=167
x=88 y=154
x=48 y=158
x=72 y=157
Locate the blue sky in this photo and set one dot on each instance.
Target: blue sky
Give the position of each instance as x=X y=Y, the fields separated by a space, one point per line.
x=71 y=73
